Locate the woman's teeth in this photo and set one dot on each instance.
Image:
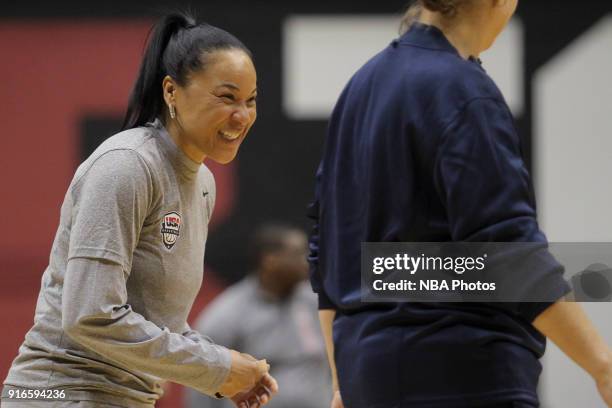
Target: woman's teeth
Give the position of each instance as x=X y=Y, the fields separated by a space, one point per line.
x=230 y=135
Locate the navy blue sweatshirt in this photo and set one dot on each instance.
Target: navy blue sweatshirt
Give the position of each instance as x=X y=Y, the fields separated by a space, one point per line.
x=422 y=147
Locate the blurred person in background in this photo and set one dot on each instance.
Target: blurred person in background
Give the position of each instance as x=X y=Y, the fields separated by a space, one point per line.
x=422 y=147
x=273 y=312
x=127 y=260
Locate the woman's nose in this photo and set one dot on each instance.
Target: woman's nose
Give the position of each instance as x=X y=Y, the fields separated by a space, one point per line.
x=241 y=115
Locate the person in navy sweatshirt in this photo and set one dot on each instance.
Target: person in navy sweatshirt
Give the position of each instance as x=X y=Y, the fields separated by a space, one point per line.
x=422 y=147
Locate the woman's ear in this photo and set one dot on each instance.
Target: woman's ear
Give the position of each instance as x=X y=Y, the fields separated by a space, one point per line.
x=169 y=88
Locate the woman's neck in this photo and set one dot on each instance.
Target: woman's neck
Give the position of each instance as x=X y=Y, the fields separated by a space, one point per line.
x=174 y=130
x=459 y=32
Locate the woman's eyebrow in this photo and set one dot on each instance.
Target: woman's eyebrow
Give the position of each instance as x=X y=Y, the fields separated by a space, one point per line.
x=229 y=85
x=234 y=87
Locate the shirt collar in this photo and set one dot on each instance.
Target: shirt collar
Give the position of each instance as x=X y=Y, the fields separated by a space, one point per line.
x=430 y=37
x=187 y=167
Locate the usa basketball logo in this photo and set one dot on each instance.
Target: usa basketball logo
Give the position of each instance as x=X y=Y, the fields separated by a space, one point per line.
x=170 y=229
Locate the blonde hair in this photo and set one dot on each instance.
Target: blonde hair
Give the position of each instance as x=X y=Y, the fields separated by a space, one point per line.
x=448 y=8
x=410 y=16
x=445 y=7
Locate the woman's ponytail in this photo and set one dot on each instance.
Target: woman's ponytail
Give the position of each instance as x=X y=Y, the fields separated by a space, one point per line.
x=146 y=99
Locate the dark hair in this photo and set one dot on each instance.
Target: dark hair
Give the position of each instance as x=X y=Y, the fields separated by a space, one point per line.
x=177 y=46
x=268 y=238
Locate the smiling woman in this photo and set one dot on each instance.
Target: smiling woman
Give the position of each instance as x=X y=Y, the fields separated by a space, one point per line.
x=127 y=260
x=216 y=109
x=206 y=78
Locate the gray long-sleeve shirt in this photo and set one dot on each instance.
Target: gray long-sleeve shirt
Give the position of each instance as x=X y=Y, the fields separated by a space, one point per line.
x=125 y=268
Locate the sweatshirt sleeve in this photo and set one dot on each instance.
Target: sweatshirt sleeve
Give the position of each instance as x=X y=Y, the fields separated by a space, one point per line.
x=316 y=275
x=195 y=335
x=96 y=314
x=220 y=322
x=111 y=200
x=482 y=181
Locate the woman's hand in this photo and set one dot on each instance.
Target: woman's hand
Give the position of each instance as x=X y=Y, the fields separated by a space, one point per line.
x=259 y=395
x=244 y=373
x=337 y=400
x=604 y=384
x=567 y=325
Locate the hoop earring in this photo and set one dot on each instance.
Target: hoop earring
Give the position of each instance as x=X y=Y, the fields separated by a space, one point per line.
x=172 y=111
